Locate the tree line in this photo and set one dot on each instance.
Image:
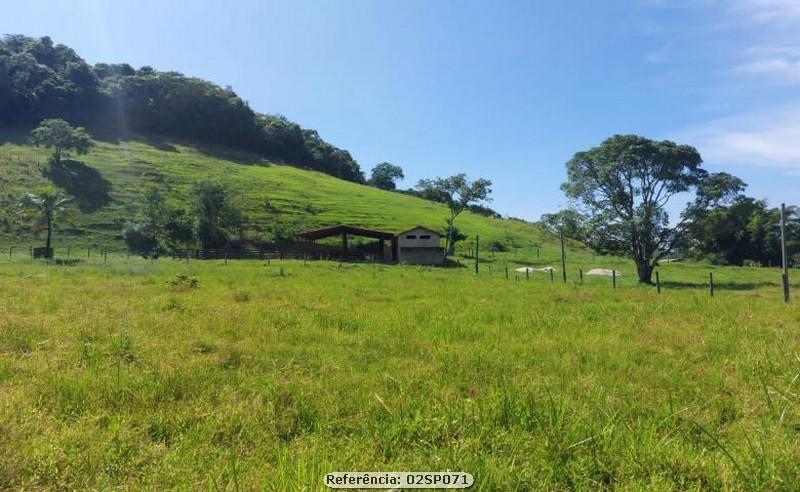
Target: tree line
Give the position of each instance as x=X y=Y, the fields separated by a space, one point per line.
x=41 y=80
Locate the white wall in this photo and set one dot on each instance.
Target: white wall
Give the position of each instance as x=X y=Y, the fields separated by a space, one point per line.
x=404 y=241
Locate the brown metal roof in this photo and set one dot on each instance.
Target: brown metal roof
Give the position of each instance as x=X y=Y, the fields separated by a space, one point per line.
x=344 y=229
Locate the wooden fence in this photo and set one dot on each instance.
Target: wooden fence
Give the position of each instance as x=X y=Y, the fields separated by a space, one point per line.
x=277 y=254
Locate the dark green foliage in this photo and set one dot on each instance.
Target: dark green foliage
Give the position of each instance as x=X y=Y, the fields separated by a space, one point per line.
x=160 y=226
x=45 y=207
x=497 y=247
x=456 y=236
x=385 y=175
x=570 y=221
x=483 y=210
x=746 y=231
x=457 y=193
x=218 y=219
x=58 y=135
x=141 y=240
x=40 y=80
x=625 y=184
x=184 y=282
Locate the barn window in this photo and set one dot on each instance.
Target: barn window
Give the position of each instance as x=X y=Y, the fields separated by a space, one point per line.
x=411 y=236
x=425 y=236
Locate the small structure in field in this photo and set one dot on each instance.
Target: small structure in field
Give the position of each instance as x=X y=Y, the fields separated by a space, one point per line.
x=603 y=272
x=347 y=251
x=418 y=246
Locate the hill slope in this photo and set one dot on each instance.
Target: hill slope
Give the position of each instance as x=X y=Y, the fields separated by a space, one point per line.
x=108 y=180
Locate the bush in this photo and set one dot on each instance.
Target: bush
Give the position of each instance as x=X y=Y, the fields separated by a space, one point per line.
x=184 y=282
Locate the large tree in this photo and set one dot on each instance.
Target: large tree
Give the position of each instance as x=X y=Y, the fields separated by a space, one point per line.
x=625 y=185
x=385 y=176
x=46 y=205
x=458 y=193
x=61 y=137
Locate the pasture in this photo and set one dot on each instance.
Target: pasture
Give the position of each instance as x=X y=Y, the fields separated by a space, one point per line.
x=128 y=374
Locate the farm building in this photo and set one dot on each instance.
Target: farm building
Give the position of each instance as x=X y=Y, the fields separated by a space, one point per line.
x=418 y=246
x=347 y=251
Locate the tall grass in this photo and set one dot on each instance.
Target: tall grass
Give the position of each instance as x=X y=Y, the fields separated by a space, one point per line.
x=112 y=377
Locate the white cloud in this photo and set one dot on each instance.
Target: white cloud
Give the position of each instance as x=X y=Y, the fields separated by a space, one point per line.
x=767 y=138
x=757 y=121
x=782 y=70
x=770 y=11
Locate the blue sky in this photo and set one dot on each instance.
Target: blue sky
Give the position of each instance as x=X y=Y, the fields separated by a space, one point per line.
x=503 y=90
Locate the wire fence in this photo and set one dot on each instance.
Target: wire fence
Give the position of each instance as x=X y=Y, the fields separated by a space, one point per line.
x=714 y=281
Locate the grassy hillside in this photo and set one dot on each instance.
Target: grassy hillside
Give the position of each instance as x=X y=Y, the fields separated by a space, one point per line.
x=107 y=182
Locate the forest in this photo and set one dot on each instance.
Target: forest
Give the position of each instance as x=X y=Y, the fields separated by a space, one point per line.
x=40 y=80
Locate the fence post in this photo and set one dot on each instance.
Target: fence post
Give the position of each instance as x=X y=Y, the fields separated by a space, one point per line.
x=10 y=251
x=506 y=272
x=784 y=258
x=563 y=256
x=551 y=275
x=658 y=284
x=614 y=279
x=785 y=280
x=477 y=243
x=711 y=283
x=580 y=274
x=527 y=274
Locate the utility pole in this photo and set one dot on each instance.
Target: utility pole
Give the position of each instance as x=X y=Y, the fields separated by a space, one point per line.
x=563 y=257
x=785 y=276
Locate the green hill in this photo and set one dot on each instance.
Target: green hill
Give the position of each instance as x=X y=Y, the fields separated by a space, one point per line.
x=107 y=181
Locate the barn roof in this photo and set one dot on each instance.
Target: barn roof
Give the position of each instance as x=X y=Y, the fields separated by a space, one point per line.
x=340 y=229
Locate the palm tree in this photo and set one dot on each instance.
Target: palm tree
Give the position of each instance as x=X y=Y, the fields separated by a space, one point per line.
x=46 y=205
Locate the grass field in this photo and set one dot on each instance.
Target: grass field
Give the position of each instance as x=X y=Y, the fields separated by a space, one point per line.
x=269 y=376
x=107 y=183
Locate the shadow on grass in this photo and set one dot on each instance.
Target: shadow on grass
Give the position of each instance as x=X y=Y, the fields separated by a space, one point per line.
x=229 y=154
x=719 y=285
x=166 y=144
x=157 y=142
x=90 y=190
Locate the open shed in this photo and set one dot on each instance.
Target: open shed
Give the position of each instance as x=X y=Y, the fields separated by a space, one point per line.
x=345 y=231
